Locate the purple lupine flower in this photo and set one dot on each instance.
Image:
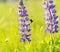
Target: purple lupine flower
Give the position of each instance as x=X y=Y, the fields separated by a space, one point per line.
x=53 y=11
x=28 y=39
x=22 y=39
x=45 y=4
x=24 y=29
x=28 y=34
x=27 y=24
x=27 y=28
x=47 y=24
x=47 y=30
x=51 y=6
x=50 y=17
x=50 y=1
x=26 y=18
x=21 y=33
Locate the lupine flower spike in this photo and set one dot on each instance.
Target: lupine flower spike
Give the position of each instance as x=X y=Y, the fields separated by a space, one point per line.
x=50 y=16
x=51 y=19
x=24 y=24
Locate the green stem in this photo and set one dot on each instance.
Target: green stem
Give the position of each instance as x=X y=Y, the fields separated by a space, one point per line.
x=51 y=46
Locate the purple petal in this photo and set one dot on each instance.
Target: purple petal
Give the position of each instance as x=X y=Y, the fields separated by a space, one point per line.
x=22 y=33
x=55 y=17
x=22 y=39
x=50 y=1
x=21 y=29
x=23 y=7
x=28 y=39
x=28 y=34
x=46 y=14
x=55 y=22
x=26 y=18
x=20 y=23
x=47 y=30
x=56 y=26
x=52 y=30
x=19 y=11
x=21 y=3
x=47 y=24
x=20 y=19
x=24 y=11
x=28 y=29
x=51 y=6
x=46 y=18
x=52 y=24
x=53 y=11
x=50 y=17
x=45 y=7
x=27 y=24
x=25 y=14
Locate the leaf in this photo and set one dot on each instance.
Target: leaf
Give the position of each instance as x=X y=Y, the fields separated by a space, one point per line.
x=57 y=43
x=57 y=40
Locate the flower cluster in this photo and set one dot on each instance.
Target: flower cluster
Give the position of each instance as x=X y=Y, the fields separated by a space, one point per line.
x=24 y=29
x=50 y=16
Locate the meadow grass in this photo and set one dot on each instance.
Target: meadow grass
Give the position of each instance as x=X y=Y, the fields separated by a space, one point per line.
x=9 y=36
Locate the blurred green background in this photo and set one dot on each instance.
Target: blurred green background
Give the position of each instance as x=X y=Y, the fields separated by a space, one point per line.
x=9 y=35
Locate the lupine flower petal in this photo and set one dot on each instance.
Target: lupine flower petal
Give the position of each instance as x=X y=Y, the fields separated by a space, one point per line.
x=22 y=39
x=21 y=29
x=50 y=17
x=23 y=7
x=47 y=24
x=56 y=26
x=26 y=18
x=45 y=5
x=51 y=6
x=53 y=11
x=56 y=30
x=21 y=3
x=27 y=24
x=28 y=34
x=46 y=18
x=28 y=39
x=52 y=30
x=55 y=17
x=50 y=1
x=46 y=14
x=47 y=30
x=20 y=19
x=22 y=33
x=55 y=22
x=27 y=28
